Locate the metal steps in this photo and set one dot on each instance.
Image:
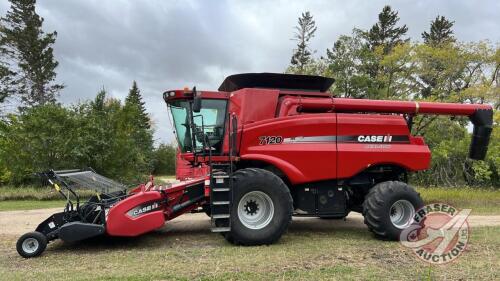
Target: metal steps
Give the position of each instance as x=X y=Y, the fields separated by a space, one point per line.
x=220 y=229
x=220 y=202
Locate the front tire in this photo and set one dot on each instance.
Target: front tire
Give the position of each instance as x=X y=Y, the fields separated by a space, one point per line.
x=31 y=244
x=262 y=208
x=389 y=208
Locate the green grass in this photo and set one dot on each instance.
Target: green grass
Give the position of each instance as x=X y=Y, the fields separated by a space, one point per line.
x=13 y=205
x=48 y=193
x=302 y=254
x=481 y=201
x=35 y=193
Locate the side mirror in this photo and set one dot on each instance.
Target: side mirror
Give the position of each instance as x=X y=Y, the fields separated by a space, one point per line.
x=196 y=101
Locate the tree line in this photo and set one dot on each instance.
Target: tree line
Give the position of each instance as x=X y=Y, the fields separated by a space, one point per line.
x=114 y=138
x=384 y=63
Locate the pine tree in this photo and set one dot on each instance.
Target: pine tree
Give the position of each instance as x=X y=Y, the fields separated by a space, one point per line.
x=440 y=32
x=30 y=50
x=385 y=32
x=137 y=126
x=134 y=101
x=6 y=75
x=6 y=84
x=304 y=33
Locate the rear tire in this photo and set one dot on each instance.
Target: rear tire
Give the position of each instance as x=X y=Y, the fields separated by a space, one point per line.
x=261 y=210
x=31 y=244
x=389 y=208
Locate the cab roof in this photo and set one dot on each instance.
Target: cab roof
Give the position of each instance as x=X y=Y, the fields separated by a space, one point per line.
x=276 y=81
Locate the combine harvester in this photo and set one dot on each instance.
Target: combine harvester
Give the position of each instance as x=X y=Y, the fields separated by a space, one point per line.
x=277 y=146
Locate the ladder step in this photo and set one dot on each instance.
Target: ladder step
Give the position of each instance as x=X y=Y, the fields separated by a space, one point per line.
x=221 y=229
x=220 y=189
x=220 y=216
x=220 y=203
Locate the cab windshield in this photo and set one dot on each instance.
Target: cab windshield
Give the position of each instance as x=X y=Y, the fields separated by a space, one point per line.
x=210 y=120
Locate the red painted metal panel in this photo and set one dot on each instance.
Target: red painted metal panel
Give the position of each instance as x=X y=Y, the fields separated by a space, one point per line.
x=301 y=162
x=119 y=223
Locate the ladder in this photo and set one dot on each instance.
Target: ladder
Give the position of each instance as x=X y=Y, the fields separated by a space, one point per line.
x=221 y=196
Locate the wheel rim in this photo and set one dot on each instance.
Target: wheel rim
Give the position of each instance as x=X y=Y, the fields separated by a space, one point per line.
x=30 y=245
x=402 y=213
x=255 y=210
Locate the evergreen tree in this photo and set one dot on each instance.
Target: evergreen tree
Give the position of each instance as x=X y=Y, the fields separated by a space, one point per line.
x=304 y=33
x=30 y=50
x=134 y=101
x=6 y=76
x=385 y=32
x=137 y=125
x=440 y=32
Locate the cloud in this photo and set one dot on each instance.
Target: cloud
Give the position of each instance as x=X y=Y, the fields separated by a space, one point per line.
x=171 y=44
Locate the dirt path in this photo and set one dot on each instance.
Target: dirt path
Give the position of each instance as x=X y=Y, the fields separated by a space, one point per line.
x=19 y=222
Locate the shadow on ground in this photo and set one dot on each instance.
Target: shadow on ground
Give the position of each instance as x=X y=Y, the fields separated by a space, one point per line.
x=196 y=233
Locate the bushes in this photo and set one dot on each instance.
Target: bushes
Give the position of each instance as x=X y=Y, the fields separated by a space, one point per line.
x=449 y=142
x=164 y=160
x=102 y=134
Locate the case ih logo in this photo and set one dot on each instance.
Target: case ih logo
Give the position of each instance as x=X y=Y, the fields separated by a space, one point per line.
x=143 y=209
x=387 y=138
x=439 y=234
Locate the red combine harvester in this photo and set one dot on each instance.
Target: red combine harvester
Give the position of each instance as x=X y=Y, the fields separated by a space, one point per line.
x=277 y=146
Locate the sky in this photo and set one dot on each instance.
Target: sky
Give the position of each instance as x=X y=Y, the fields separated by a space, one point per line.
x=173 y=44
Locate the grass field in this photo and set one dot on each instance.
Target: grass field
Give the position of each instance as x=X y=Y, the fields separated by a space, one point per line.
x=48 y=193
x=481 y=201
x=13 y=205
x=302 y=254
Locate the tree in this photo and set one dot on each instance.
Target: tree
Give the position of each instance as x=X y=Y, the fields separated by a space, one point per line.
x=164 y=160
x=30 y=55
x=136 y=124
x=134 y=102
x=385 y=33
x=440 y=32
x=304 y=33
x=106 y=139
x=381 y=39
x=6 y=80
x=37 y=140
x=347 y=61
